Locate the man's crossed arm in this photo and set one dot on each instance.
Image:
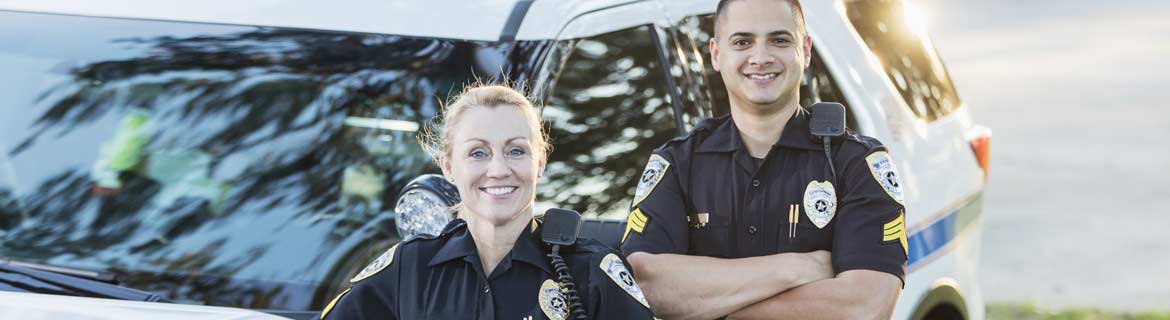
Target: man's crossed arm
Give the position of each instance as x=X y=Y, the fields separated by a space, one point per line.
x=786 y=285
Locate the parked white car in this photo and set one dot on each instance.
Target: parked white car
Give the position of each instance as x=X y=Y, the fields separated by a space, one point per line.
x=250 y=154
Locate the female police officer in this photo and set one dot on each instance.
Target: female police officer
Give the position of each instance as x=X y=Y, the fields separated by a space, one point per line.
x=490 y=263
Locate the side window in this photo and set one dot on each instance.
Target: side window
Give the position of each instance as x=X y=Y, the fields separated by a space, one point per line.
x=607 y=111
x=818 y=85
x=906 y=54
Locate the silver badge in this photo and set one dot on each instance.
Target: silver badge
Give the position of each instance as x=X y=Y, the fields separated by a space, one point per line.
x=373 y=268
x=883 y=170
x=552 y=301
x=617 y=271
x=820 y=202
x=655 y=169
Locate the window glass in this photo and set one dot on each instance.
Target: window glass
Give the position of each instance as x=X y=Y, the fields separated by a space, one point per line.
x=893 y=33
x=817 y=86
x=221 y=165
x=608 y=110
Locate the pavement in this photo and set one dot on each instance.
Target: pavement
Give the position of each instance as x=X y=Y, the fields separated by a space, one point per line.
x=1077 y=213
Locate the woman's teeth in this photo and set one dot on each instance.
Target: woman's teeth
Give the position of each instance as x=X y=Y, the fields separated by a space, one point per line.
x=499 y=190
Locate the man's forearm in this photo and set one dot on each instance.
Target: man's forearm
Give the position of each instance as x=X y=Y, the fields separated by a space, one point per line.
x=697 y=287
x=851 y=295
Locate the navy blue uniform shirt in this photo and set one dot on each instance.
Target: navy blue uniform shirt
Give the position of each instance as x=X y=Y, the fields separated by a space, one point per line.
x=703 y=194
x=442 y=278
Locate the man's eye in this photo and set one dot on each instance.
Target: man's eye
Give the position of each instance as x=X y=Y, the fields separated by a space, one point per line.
x=478 y=154
x=781 y=41
x=516 y=152
x=740 y=43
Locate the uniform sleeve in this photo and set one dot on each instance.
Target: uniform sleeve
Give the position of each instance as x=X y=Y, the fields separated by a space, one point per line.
x=373 y=297
x=657 y=221
x=613 y=292
x=871 y=232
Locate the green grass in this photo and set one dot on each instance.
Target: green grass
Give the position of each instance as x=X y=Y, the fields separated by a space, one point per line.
x=1030 y=312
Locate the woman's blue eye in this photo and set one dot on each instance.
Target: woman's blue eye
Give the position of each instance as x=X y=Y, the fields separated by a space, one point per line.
x=516 y=152
x=478 y=154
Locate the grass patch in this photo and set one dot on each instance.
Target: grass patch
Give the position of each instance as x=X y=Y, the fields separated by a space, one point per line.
x=1030 y=312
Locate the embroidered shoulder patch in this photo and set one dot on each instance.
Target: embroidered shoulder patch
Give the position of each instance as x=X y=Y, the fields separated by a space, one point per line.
x=655 y=169
x=883 y=170
x=552 y=300
x=617 y=271
x=373 y=268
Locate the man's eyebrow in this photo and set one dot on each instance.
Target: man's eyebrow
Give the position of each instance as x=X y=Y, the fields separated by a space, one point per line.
x=776 y=33
x=780 y=33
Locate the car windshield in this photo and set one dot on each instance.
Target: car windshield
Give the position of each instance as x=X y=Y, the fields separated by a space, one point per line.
x=222 y=165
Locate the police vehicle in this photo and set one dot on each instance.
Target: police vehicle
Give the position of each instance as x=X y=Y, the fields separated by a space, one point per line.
x=201 y=156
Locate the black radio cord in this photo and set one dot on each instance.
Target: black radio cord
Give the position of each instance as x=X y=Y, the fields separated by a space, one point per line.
x=576 y=308
x=829 y=156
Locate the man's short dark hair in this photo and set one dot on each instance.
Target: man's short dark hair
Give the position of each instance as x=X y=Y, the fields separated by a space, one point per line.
x=795 y=9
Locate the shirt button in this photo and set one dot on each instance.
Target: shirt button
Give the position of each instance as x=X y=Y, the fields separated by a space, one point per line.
x=752 y=230
x=486 y=289
x=755 y=183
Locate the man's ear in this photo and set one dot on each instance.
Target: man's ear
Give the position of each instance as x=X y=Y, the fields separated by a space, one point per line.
x=714 y=49
x=807 y=51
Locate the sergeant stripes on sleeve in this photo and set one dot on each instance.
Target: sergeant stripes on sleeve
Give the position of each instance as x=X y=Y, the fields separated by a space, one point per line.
x=896 y=230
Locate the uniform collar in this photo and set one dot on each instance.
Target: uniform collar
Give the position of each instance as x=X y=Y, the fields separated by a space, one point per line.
x=725 y=137
x=459 y=244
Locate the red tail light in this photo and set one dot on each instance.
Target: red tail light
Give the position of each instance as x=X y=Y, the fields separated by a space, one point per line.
x=980 y=138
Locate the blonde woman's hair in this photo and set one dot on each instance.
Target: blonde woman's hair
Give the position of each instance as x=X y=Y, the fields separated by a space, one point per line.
x=436 y=138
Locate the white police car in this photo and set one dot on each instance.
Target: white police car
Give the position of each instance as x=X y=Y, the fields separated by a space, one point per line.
x=250 y=154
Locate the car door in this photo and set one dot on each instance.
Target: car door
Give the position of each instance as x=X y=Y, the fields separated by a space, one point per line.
x=609 y=102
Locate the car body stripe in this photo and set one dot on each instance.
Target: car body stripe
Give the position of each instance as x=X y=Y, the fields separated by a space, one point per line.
x=929 y=241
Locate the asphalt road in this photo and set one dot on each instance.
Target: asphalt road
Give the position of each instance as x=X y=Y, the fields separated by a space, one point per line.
x=1077 y=212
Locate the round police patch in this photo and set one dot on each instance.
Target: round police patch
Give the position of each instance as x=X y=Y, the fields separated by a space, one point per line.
x=655 y=169
x=617 y=271
x=373 y=268
x=883 y=170
x=820 y=202
x=552 y=301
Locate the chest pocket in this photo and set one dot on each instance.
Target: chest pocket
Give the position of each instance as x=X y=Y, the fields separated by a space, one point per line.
x=709 y=234
x=806 y=236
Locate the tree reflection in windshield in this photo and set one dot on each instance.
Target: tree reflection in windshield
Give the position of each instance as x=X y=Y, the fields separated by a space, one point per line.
x=235 y=166
x=609 y=109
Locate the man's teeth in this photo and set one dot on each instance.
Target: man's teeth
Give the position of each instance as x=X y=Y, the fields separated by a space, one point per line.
x=499 y=190
x=762 y=76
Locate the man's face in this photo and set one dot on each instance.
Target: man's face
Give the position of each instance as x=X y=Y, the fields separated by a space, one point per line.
x=761 y=53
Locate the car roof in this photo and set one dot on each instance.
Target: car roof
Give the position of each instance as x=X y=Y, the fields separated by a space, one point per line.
x=455 y=19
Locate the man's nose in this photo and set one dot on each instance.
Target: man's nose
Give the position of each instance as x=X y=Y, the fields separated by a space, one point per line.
x=760 y=57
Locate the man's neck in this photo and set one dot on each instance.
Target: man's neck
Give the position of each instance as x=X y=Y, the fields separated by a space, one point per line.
x=760 y=130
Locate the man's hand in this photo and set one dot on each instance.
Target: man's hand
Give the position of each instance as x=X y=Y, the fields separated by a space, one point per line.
x=697 y=287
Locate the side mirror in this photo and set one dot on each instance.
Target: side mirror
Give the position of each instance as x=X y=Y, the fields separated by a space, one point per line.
x=424 y=206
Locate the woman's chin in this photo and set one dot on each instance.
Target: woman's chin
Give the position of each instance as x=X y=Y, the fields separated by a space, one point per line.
x=499 y=215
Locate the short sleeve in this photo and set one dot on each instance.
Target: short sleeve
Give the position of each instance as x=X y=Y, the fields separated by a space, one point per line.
x=614 y=294
x=370 y=296
x=871 y=227
x=657 y=220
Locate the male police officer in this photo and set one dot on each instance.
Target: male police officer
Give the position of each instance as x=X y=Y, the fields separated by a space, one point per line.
x=732 y=219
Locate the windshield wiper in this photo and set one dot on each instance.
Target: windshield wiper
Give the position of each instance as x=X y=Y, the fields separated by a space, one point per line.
x=70 y=281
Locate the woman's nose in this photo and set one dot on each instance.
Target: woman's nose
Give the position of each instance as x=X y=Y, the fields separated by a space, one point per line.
x=498 y=168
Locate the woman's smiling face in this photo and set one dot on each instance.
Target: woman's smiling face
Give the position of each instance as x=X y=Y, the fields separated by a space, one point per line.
x=494 y=163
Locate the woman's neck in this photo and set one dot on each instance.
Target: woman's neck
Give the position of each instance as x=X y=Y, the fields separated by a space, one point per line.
x=493 y=240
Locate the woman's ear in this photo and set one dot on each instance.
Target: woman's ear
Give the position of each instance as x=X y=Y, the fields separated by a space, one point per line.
x=540 y=168
x=445 y=165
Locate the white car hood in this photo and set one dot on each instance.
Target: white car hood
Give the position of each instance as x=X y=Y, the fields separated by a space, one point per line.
x=32 y=306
